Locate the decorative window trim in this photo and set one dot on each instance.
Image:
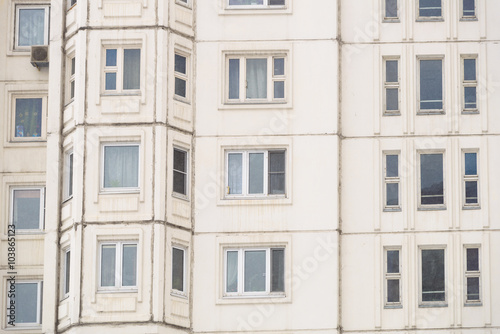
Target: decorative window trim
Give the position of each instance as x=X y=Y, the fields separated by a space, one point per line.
x=424 y=207
x=428 y=18
x=443 y=87
x=43 y=127
x=41 y=221
x=185 y=77
x=176 y=292
x=422 y=303
x=104 y=189
x=389 y=180
x=38 y=322
x=472 y=274
x=392 y=276
x=384 y=11
x=391 y=85
x=470 y=178
x=468 y=17
x=118 y=287
x=468 y=83
x=21 y=5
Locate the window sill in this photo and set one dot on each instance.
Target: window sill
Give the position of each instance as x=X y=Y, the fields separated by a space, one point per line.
x=391 y=20
x=471 y=207
x=389 y=114
x=255 y=11
x=117 y=191
x=389 y=307
x=131 y=93
x=255 y=299
x=431 y=112
x=473 y=304
x=21 y=327
x=178 y=294
x=180 y=197
x=270 y=200
x=255 y=105
x=468 y=19
x=430 y=19
x=470 y=112
x=392 y=209
x=181 y=99
x=117 y=290
x=432 y=208
x=67 y=199
x=183 y=4
x=430 y=305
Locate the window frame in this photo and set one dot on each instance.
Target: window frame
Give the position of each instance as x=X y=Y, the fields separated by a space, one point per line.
x=270 y=56
x=41 y=221
x=104 y=189
x=181 y=76
x=245 y=173
x=391 y=85
x=468 y=83
x=423 y=207
x=241 y=272
x=119 y=69
x=391 y=179
x=472 y=274
x=186 y=173
x=69 y=171
x=443 y=88
x=43 y=118
x=389 y=18
x=429 y=18
x=18 y=7
x=71 y=71
x=470 y=178
x=183 y=292
x=118 y=287
x=39 y=305
x=392 y=276
x=265 y=5
x=66 y=272
x=464 y=17
x=443 y=303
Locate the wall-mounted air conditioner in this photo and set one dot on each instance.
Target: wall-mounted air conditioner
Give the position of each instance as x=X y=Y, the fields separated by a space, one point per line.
x=40 y=55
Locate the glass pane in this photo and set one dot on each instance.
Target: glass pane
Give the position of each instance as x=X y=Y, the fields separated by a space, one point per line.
x=392 y=194
x=232 y=272
x=472 y=259
x=72 y=65
x=431 y=179
x=177 y=269
x=70 y=176
x=276 y=2
x=28 y=117
x=234 y=78
x=245 y=2
x=108 y=265
x=31 y=27
x=470 y=163
x=234 y=173
x=256 y=78
x=180 y=64
x=277 y=270
x=255 y=271
x=470 y=69
x=256 y=173
x=110 y=57
x=471 y=192
x=279 y=66
x=179 y=185
x=180 y=169
x=469 y=8
x=67 y=271
x=279 y=89
x=433 y=279
x=26 y=209
x=72 y=90
x=393 y=290
x=121 y=166
x=391 y=165
x=472 y=288
x=180 y=87
x=26 y=300
x=129 y=265
x=470 y=97
x=276 y=173
x=180 y=160
x=110 y=81
x=131 y=68
x=391 y=99
x=393 y=261
x=391 y=71
x=430 y=8
x=391 y=8
x=431 y=84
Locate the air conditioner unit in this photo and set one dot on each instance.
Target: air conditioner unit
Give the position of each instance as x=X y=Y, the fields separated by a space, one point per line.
x=40 y=55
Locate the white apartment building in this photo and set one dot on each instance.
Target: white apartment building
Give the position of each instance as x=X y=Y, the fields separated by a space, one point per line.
x=259 y=166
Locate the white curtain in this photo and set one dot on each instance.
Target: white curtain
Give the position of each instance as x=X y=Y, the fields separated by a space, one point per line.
x=256 y=78
x=31 y=27
x=232 y=272
x=121 y=166
x=131 y=68
x=235 y=165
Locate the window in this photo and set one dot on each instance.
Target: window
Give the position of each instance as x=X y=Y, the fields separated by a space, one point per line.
x=178 y=270
x=391 y=10
x=118 y=263
x=472 y=275
x=392 y=181
x=122 y=70
x=120 y=167
x=32 y=26
x=181 y=76
x=468 y=9
x=66 y=271
x=29 y=113
x=68 y=175
x=72 y=79
x=27 y=298
x=255 y=173
x=256 y=79
x=391 y=87
x=392 y=278
x=71 y=3
x=431 y=86
x=431 y=180
x=256 y=3
x=28 y=209
x=433 y=276
x=469 y=85
x=180 y=172
x=470 y=179
x=430 y=9
x=254 y=271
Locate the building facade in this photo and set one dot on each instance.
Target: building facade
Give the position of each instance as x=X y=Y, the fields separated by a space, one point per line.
x=262 y=166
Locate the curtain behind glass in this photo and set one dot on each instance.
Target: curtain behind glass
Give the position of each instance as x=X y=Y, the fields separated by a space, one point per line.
x=26 y=300
x=28 y=117
x=26 y=209
x=257 y=78
x=255 y=271
x=121 y=166
x=232 y=272
x=31 y=27
x=234 y=173
x=108 y=265
x=131 y=68
x=129 y=265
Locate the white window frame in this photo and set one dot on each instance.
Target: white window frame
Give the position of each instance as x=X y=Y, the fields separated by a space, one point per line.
x=185 y=3
x=429 y=18
x=431 y=206
x=468 y=83
x=390 y=19
x=69 y=171
x=392 y=276
x=118 y=266
x=139 y=169
x=184 y=77
x=71 y=70
x=468 y=17
x=472 y=274
x=265 y=5
x=118 y=69
x=41 y=221
x=443 y=87
x=388 y=180
x=271 y=78
x=38 y=322
x=245 y=174
x=66 y=275
x=43 y=125
x=241 y=272
x=183 y=292
x=20 y=6
x=432 y=303
x=470 y=178
x=391 y=85
x=186 y=173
